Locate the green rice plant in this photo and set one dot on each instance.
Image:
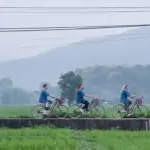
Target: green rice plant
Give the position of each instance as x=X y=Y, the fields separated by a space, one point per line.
x=46 y=138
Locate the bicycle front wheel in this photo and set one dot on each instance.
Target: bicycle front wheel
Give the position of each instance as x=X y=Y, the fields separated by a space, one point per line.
x=74 y=111
x=97 y=111
x=140 y=111
x=118 y=111
x=61 y=111
x=37 y=111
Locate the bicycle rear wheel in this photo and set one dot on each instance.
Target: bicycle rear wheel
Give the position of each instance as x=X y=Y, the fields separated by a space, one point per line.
x=74 y=111
x=118 y=111
x=61 y=111
x=140 y=111
x=37 y=111
x=97 y=111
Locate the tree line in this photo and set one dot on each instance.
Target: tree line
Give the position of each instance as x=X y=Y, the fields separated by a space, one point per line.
x=107 y=82
x=99 y=81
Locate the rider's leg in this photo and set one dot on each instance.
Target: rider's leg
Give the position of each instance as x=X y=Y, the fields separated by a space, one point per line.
x=46 y=108
x=82 y=109
x=130 y=102
x=126 y=107
x=86 y=104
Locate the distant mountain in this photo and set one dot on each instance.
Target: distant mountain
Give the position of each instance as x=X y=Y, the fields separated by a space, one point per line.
x=128 y=48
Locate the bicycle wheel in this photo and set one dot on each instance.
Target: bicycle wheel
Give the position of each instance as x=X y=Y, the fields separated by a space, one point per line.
x=118 y=111
x=74 y=111
x=140 y=111
x=37 y=111
x=61 y=111
x=97 y=111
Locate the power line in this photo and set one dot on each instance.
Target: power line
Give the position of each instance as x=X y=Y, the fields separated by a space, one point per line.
x=78 y=9
x=74 y=12
x=75 y=7
x=64 y=28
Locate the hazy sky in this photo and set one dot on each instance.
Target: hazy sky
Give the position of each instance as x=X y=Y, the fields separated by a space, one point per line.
x=18 y=45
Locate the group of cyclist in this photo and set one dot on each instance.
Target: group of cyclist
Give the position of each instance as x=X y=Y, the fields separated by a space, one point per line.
x=46 y=99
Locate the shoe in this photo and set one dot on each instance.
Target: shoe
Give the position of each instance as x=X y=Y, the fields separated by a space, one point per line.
x=86 y=112
x=45 y=116
x=129 y=115
x=81 y=110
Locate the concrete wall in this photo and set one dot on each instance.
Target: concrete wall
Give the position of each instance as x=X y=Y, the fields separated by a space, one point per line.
x=104 y=124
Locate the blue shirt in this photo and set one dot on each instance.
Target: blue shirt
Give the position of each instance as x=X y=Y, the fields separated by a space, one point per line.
x=124 y=96
x=80 y=97
x=43 y=96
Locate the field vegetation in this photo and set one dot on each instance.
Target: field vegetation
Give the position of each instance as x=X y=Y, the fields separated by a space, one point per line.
x=66 y=139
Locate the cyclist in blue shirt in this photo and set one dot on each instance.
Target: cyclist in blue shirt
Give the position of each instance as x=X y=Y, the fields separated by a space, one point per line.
x=125 y=94
x=44 y=99
x=80 y=98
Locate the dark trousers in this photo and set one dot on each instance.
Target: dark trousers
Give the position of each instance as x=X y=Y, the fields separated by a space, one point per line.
x=86 y=105
x=127 y=105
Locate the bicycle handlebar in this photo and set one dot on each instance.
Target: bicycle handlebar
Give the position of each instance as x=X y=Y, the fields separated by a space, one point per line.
x=53 y=97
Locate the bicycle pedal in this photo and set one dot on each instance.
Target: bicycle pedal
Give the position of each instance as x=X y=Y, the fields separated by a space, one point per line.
x=118 y=111
x=38 y=112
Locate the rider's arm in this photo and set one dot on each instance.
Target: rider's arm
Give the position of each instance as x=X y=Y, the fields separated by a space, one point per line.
x=133 y=96
x=48 y=95
x=130 y=95
x=88 y=96
x=51 y=96
x=84 y=95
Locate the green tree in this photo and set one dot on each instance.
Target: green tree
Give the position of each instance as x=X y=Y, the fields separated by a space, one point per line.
x=5 y=83
x=68 y=83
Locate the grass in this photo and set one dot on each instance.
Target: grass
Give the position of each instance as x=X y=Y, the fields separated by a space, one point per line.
x=14 y=111
x=66 y=139
x=25 y=111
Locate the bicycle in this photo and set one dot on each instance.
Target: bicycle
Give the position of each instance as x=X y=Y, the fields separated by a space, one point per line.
x=95 y=109
x=56 y=109
x=137 y=109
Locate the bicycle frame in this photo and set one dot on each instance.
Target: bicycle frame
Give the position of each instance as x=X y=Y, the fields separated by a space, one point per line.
x=94 y=102
x=134 y=105
x=55 y=105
